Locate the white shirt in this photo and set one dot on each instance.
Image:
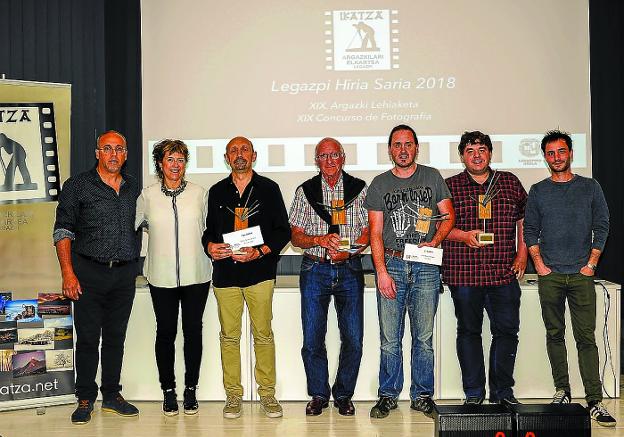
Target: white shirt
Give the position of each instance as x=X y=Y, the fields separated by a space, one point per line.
x=170 y=261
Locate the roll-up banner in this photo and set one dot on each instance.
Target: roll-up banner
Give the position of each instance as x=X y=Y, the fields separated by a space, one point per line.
x=36 y=329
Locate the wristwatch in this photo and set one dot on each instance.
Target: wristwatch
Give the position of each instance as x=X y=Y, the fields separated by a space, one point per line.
x=260 y=252
x=592 y=266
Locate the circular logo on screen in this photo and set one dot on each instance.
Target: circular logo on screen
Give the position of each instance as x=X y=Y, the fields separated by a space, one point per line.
x=529 y=147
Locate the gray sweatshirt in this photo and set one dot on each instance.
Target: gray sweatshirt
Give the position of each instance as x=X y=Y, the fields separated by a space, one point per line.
x=567 y=220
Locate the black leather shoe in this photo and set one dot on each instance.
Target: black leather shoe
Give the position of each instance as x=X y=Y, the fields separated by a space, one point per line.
x=345 y=406
x=510 y=400
x=473 y=400
x=424 y=404
x=316 y=405
x=82 y=414
x=382 y=408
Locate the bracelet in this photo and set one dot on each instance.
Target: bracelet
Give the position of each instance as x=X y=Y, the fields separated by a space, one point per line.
x=260 y=252
x=592 y=266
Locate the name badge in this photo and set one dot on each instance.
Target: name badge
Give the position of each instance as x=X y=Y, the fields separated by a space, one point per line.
x=425 y=254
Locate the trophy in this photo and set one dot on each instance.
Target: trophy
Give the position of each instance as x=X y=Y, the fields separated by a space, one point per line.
x=485 y=209
x=419 y=217
x=242 y=214
x=338 y=210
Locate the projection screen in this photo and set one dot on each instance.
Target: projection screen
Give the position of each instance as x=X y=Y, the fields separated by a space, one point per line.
x=286 y=74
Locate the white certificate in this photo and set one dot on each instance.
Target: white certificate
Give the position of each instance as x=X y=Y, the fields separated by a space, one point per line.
x=425 y=254
x=244 y=238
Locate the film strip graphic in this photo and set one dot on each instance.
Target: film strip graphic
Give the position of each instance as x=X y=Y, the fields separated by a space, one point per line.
x=28 y=153
x=49 y=150
x=287 y=155
x=361 y=40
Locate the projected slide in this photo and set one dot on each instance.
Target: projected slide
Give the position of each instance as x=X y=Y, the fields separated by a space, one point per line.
x=286 y=74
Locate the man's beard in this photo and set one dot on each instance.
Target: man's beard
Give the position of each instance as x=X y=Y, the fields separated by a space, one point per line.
x=240 y=163
x=565 y=168
x=401 y=164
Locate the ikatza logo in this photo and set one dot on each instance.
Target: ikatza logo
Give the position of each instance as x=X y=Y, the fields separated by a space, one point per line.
x=362 y=40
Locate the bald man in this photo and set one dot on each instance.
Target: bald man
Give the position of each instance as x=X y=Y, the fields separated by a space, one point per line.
x=241 y=275
x=98 y=249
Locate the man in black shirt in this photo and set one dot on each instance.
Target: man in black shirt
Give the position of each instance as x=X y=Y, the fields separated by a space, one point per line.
x=97 y=248
x=245 y=200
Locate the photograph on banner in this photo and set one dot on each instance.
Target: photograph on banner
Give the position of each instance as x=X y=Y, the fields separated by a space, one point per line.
x=63 y=338
x=22 y=311
x=29 y=363
x=28 y=153
x=5 y=297
x=6 y=362
x=59 y=360
x=8 y=334
x=53 y=304
x=58 y=322
x=30 y=339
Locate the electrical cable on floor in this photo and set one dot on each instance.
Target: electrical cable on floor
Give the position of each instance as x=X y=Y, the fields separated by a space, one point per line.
x=608 y=358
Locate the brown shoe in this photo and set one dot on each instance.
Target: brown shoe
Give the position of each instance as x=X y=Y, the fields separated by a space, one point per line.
x=316 y=405
x=345 y=406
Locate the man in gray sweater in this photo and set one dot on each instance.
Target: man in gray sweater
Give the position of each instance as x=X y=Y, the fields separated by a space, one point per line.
x=566 y=225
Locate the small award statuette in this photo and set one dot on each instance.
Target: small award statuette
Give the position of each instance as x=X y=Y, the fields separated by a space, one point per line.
x=338 y=212
x=484 y=203
x=242 y=214
x=239 y=222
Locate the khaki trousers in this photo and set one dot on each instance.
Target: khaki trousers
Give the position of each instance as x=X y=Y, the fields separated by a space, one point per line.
x=259 y=299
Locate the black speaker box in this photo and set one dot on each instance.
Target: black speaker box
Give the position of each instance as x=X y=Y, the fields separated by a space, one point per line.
x=472 y=421
x=551 y=420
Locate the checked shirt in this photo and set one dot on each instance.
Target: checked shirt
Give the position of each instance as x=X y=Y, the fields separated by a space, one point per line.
x=489 y=265
x=303 y=216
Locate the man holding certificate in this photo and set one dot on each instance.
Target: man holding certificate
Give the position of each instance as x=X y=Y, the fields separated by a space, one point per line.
x=483 y=260
x=246 y=228
x=410 y=212
x=329 y=221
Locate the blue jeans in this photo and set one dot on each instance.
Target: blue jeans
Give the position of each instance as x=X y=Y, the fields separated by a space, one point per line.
x=417 y=288
x=503 y=308
x=318 y=283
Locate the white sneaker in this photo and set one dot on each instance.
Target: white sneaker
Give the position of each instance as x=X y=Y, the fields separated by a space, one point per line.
x=599 y=413
x=562 y=397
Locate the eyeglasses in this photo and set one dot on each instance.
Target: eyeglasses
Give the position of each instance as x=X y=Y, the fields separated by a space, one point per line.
x=333 y=155
x=109 y=149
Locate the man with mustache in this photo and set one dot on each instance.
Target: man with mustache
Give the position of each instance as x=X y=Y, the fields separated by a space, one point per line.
x=565 y=228
x=243 y=200
x=483 y=274
x=421 y=214
x=98 y=249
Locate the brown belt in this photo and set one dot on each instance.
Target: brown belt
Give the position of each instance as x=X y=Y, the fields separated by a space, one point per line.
x=318 y=259
x=394 y=253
